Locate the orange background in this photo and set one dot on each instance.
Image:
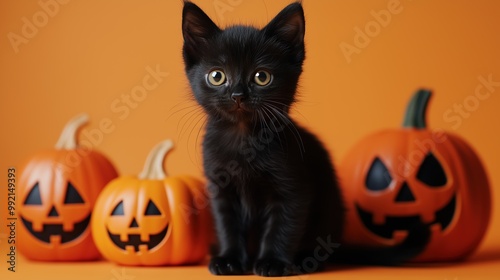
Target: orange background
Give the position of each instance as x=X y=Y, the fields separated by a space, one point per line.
x=90 y=53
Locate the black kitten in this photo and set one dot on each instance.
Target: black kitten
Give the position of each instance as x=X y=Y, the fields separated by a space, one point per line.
x=275 y=200
x=273 y=187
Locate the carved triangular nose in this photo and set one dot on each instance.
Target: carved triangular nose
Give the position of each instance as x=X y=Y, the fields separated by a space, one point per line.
x=134 y=224
x=405 y=194
x=53 y=212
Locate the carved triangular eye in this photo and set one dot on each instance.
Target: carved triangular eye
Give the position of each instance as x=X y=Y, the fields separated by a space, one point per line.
x=72 y=195
x=378 y=177
x=431 y=172
x=34 y=197
x=118 y=211
x=152 y=210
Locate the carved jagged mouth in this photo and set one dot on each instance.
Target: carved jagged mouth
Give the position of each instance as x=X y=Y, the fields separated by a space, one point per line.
x=135 y=240
x=444 y=216
x=57 y=230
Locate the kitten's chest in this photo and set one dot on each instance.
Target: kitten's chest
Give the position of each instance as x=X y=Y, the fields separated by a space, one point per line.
x=244 y=166
x=248 y=154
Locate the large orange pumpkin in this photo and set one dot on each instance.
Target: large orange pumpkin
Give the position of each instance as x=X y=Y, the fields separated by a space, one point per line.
x=56 y=193
x=397 y=178
x=153 y=219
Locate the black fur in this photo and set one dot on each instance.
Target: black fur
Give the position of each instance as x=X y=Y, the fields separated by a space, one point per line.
x=273 y=189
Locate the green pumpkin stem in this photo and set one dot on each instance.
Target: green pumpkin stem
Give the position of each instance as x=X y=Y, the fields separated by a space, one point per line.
x=415 y=116
x=153 y=168
x=69 y=136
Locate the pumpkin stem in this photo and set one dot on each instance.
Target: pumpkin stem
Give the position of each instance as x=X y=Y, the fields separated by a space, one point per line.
x=416 y=111
x=69 y=136
x=153 y=168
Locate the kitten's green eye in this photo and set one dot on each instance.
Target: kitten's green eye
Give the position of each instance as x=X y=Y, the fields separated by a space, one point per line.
x=216 y=77
x=263 y=78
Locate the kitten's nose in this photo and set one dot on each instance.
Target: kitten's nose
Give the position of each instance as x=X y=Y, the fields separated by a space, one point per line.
x=237 y=97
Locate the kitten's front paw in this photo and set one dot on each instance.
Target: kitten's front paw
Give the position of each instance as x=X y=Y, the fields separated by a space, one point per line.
x=225 y=266
x=272 y=267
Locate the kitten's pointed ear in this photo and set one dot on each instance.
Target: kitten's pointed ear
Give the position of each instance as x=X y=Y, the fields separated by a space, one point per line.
x=197 y=27
x=289 y=25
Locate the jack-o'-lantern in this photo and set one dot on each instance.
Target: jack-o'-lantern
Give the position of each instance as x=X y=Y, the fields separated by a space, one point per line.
x=57 y=190
x=153 y=219
x=397 y=179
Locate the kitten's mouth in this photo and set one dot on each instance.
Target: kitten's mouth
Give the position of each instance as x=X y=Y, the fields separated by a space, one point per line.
x=240 y=108
x=238 y=113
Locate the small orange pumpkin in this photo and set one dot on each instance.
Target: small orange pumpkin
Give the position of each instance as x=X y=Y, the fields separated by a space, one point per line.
x=396 y=178
x=153 y=219
x=57 y=190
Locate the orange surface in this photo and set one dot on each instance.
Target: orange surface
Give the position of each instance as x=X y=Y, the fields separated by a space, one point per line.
x=91 y=56
x=482 y=267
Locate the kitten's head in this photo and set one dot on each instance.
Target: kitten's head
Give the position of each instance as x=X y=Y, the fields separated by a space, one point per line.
x=242 y=73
